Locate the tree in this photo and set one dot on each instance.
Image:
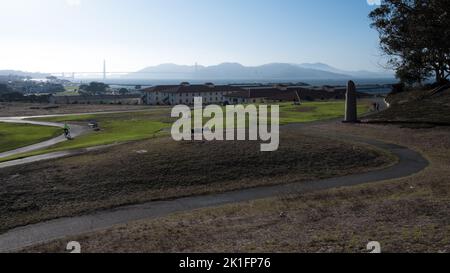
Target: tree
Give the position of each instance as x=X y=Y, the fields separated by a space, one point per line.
x=94 y=88
x=4 y=89
x=415 y=34
x=12 y=96
x=51 y=78
x=123 y=91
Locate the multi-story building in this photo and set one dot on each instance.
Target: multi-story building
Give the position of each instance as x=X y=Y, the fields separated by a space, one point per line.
x=185 y=94
x=229 y=94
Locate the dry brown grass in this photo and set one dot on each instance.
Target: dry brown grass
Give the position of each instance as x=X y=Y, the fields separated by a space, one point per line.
x=411 y=214
x=124 y=175
x=417 y=107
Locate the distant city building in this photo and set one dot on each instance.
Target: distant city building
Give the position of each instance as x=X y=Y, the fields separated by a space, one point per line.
x=35 y=87
x=286 y=94
x=262 y=95
x=132 y=99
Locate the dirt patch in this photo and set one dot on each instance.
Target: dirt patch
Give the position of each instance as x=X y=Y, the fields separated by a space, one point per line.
x=123 y=175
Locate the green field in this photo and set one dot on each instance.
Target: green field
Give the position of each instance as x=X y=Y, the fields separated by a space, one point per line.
x=313 y=111
x=70 y=91
x=115 y=128
x=13 y=136
x=308 y=112
x=132 y=126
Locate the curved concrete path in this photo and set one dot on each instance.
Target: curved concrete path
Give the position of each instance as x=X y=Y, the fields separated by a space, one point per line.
x=410 y=162
x=76 y=130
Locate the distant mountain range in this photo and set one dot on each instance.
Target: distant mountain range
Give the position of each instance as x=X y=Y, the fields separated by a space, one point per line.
x=356 y=74
x=236 y=71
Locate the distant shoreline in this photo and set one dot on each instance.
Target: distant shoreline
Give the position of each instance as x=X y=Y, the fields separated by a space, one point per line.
x=313 y=82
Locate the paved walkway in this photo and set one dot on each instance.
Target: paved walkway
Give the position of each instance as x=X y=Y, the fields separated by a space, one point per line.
x=76 y=130
x=410 y=162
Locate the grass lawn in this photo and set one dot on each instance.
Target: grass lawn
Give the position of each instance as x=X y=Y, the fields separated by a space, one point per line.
x=309 y=111
x=13 y=136
x=114 y=131
x=132 y=126
x=115 y=128
x=313 y=111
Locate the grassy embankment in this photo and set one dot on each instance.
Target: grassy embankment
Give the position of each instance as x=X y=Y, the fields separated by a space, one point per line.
x=123 y=127
x=115 y=128
x=14 y=136
x=418 y=108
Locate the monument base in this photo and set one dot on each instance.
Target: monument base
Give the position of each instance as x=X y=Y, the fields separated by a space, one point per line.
x=357 y=121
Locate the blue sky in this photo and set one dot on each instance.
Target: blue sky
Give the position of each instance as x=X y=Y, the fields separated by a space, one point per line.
x=76 y=35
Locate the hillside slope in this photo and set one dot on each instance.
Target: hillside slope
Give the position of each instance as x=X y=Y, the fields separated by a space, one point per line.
x=421 y=107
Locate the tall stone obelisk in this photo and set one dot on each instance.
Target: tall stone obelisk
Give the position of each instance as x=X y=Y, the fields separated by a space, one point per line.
x=351 y=112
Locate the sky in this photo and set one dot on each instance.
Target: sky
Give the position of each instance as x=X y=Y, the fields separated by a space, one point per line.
x=77 y=35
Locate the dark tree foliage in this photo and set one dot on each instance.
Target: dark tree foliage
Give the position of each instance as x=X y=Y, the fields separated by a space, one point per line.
x=94 y=88
x=4 y=89
x=12 y=96
x=19 y=97
x=415 y=34
x=123 y=91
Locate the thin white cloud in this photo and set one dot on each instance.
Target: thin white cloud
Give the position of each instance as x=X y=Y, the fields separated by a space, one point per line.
x=374 y=2
x=73 y=3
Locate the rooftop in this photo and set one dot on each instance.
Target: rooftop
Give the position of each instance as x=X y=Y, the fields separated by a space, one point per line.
x=194 y=88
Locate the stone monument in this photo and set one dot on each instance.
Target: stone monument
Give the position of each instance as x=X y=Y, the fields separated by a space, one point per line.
x=351 y=112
